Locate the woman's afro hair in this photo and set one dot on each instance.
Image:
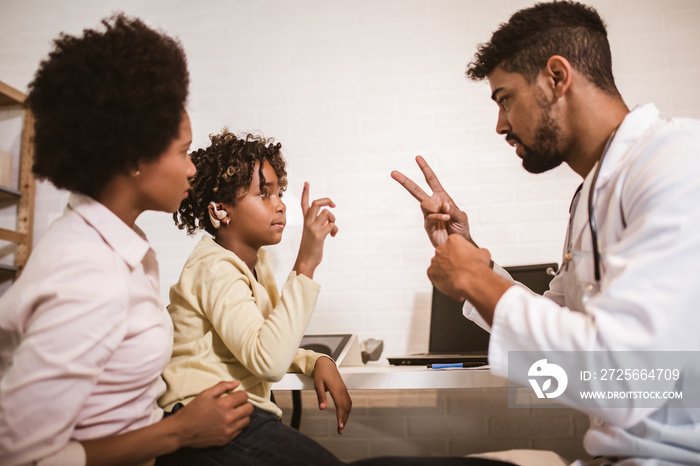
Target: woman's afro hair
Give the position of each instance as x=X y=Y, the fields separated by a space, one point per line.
x=105 y=101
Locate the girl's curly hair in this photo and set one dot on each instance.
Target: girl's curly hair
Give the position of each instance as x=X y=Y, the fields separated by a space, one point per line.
x=224 y=174
x=105 y=101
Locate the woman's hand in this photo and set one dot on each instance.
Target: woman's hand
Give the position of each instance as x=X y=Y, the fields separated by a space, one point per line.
x=214 y=418
x=327 y=379
x=318 y=224
x=211 y=419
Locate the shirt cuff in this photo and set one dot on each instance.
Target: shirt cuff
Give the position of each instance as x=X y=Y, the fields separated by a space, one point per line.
x=470 y=311
x=305 y=361
x=472 y=314
x=305 y=281
x=498 y=343
x=501 y=272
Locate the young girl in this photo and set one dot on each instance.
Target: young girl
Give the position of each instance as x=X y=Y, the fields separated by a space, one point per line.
x=230 y=321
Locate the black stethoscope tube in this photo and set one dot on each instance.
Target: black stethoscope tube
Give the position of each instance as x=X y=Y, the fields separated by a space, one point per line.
x=592 y=225
x=591 y=218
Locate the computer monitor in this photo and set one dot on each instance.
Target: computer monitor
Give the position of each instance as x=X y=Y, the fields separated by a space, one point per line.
x=451 y=332
x=533 y=276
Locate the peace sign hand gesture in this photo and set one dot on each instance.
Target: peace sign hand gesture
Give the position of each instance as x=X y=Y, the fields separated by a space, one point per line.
x=441 y=215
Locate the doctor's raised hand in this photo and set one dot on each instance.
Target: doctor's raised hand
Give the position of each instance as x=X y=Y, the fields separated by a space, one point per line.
x=441 y=215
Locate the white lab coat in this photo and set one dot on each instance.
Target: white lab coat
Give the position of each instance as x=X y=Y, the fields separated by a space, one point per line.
x=647 y=210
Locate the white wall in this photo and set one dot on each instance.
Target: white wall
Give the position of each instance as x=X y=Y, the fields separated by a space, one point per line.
x=352 y=90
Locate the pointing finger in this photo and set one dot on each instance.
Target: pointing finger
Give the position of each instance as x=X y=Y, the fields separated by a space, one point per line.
x=305 y=198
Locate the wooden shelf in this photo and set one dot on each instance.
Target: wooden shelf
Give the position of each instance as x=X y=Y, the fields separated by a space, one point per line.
x=11 y=235
x=24 y=196
x=9 y=96
x=7 y=272
x=8 y=194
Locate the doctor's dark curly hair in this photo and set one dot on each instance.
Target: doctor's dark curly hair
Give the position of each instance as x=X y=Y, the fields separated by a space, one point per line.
x=105 y=101
x=224 y=174
x=531 y=36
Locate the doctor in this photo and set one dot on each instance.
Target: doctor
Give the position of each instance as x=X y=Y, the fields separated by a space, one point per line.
x=629 y=280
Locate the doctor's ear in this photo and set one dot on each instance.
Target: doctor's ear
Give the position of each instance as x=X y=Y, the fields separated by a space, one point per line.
x=559 y=73
x=216 y=215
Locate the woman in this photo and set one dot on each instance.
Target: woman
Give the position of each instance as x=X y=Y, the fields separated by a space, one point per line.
x=84 y=334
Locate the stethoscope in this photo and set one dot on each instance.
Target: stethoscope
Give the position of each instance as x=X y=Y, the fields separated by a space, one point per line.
x=591 y=220
x=591 y=217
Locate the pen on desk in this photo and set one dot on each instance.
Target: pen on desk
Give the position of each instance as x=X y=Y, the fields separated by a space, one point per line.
x=445 y=366
x=457 y=365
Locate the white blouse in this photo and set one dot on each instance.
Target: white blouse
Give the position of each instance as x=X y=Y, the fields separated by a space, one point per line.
x=84 y=337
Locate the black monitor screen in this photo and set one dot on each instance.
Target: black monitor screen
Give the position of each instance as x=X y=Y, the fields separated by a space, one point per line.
x=451 y=332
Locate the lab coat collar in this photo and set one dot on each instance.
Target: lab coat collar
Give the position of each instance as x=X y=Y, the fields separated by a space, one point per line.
x=130 y=244
x=630 y=130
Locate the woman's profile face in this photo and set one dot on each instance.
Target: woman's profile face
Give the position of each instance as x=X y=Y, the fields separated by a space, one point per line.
x=164 y=182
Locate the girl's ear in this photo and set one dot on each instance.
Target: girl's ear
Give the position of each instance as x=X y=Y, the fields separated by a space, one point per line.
x=220 y=214
x=216 y=215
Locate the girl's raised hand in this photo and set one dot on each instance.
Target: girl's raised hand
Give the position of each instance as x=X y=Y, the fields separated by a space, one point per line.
x=318 y=224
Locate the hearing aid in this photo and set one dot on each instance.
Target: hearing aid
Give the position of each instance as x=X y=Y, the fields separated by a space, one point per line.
x=220 y=215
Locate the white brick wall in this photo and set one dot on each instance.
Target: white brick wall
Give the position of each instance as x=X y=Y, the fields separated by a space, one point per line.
x=352 y=90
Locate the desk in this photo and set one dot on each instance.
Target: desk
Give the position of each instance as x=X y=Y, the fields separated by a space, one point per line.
x=380 y=375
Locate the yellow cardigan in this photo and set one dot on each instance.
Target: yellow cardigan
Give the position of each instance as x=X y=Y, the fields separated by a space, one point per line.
x=230 y=326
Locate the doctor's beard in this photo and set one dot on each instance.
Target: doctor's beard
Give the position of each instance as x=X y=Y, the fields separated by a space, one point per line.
x=544 y=154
